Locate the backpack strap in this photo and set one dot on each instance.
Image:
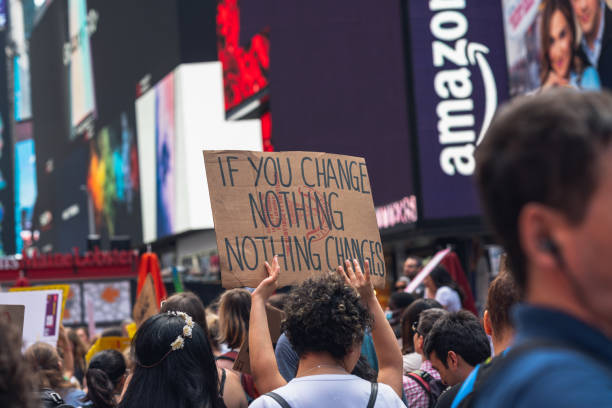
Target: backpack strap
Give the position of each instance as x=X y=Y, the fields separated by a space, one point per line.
x=279 y=400
x=373 y=395
x=222 y=382
x=419 y=377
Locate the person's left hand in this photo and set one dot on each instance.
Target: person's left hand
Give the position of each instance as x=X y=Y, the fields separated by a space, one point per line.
x=268 y=286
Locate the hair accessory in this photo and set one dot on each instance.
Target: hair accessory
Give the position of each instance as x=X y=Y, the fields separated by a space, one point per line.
x=179 y=342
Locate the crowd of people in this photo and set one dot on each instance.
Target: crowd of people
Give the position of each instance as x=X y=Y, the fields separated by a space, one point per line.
x=545 y=338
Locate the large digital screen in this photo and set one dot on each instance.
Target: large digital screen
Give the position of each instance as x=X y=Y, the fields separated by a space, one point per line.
x=25 y=186
x=78 y=57
x=89 y=61
x=113 y=182
x=459 y=78
x=179 y=117
x=246 y=64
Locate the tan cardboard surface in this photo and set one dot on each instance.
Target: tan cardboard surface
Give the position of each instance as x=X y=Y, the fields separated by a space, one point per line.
x=313 y=210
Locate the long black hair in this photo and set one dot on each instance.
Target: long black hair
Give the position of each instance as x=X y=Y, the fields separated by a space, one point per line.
x=105 y=372
x=183 y=378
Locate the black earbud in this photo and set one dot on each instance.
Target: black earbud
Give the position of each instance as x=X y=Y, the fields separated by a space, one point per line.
x=549 y=245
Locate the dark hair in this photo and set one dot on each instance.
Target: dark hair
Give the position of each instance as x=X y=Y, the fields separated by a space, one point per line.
x=105 y=372
x=18 y=390
x=324 y=314
x=550 y=7
x=189 y=303
x=79 y=350
x=503 y=294
x=440 y=277
x=460 y=332
x=428 y=318
x=234 y=312
x=418 y=260
x=400 y=300
x=45 y=364
x=184 y=378
x=364 y=370
x=411 y=316
x=541 y=149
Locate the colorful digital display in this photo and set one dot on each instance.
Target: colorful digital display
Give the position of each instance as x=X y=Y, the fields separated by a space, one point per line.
x=165 y=154
x=557 y=44
x=81 y=75
x=113 y=180
x=25 y=192
x=246 y=69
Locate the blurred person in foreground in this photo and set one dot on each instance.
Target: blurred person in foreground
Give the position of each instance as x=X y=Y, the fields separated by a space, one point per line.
x=544 y=171
x=326 y=318
x=503 y=294
x=16 y=386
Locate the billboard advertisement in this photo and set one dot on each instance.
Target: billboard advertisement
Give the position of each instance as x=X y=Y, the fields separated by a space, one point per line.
x=552 y=43
x=89 y=61
x=459 y=78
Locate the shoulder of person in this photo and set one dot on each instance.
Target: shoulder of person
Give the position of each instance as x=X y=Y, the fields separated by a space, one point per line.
x=549 y=377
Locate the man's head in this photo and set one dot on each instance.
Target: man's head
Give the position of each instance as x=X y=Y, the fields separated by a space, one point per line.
x=412 y=265
x=588 y=14
x=427 y=319
x=503 y=294
x=455 y=344
x=544 y=173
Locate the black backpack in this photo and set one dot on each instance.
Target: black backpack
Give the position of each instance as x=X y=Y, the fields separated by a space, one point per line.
x=432 y=386
x=51 y=399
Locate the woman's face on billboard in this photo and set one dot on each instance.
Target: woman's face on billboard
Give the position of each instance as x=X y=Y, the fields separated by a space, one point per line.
x=560 y=50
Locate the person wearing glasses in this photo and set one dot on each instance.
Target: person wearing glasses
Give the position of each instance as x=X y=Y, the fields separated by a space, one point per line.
x=419 y=384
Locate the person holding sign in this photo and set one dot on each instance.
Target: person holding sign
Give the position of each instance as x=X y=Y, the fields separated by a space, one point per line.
x=326 y=318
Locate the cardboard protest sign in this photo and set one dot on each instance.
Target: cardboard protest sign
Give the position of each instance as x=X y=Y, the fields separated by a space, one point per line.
x=312 y=210
x=42 y=314
x=13 y=314
x=275 y=317
x=146 y=304
x=64 y=288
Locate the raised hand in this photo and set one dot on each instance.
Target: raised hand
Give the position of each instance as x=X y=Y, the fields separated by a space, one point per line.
x=362 y=282
x=268 y=286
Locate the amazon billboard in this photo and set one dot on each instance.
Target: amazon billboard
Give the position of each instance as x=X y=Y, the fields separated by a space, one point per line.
x=458 y=79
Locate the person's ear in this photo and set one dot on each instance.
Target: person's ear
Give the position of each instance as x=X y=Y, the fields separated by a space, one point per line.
x=452 y=360
x=486 y=322
x=420 y=340
x=539 y=225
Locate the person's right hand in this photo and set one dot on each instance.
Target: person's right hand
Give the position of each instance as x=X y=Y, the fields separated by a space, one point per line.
x=362 y=282
x=268 y=286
